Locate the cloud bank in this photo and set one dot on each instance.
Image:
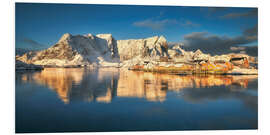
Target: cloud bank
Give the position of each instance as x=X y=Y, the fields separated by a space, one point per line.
x=154 y=24
x=215 y=44
x=234 y=15
x=161 y=24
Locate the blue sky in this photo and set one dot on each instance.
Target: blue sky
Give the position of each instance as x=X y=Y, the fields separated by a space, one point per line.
x=41 y=25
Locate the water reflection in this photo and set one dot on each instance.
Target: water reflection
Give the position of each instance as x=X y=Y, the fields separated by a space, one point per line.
x=102 y=85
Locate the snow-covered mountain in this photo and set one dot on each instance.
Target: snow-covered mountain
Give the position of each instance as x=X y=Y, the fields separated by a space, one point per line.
x=101 y=49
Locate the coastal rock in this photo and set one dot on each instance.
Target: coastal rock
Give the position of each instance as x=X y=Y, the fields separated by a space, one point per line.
x=243 y=71
x=19 y=65
x=26 y=58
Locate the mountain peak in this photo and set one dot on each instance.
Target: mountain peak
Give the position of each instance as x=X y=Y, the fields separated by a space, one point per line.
x=162 y=39
x=65 y=37
x=104 y=35
x=198 y=51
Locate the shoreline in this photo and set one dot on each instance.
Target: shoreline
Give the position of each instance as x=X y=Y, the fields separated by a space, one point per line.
x=164 y=70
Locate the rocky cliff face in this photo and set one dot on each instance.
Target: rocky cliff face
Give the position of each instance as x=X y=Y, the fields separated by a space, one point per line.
x=154 y=47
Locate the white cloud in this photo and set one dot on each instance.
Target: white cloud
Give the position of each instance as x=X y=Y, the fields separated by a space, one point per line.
x=154 y=24
x=161 y=24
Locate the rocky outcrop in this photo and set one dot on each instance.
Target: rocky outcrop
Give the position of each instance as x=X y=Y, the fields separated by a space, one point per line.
x=19 y=65
x=243 y=71
x=110 y=44
x=154 y=47
x=177 y=54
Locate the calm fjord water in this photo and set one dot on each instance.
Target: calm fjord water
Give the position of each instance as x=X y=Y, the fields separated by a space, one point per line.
x=109 y=99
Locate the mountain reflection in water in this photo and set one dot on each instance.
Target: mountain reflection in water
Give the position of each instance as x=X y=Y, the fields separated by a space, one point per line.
x=102 y=85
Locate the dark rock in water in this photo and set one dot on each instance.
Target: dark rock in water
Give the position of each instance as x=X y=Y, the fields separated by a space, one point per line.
x=19 y=65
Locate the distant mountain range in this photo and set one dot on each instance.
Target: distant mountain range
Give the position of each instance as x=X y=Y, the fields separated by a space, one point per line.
x=103 y=50
x=249 y=50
